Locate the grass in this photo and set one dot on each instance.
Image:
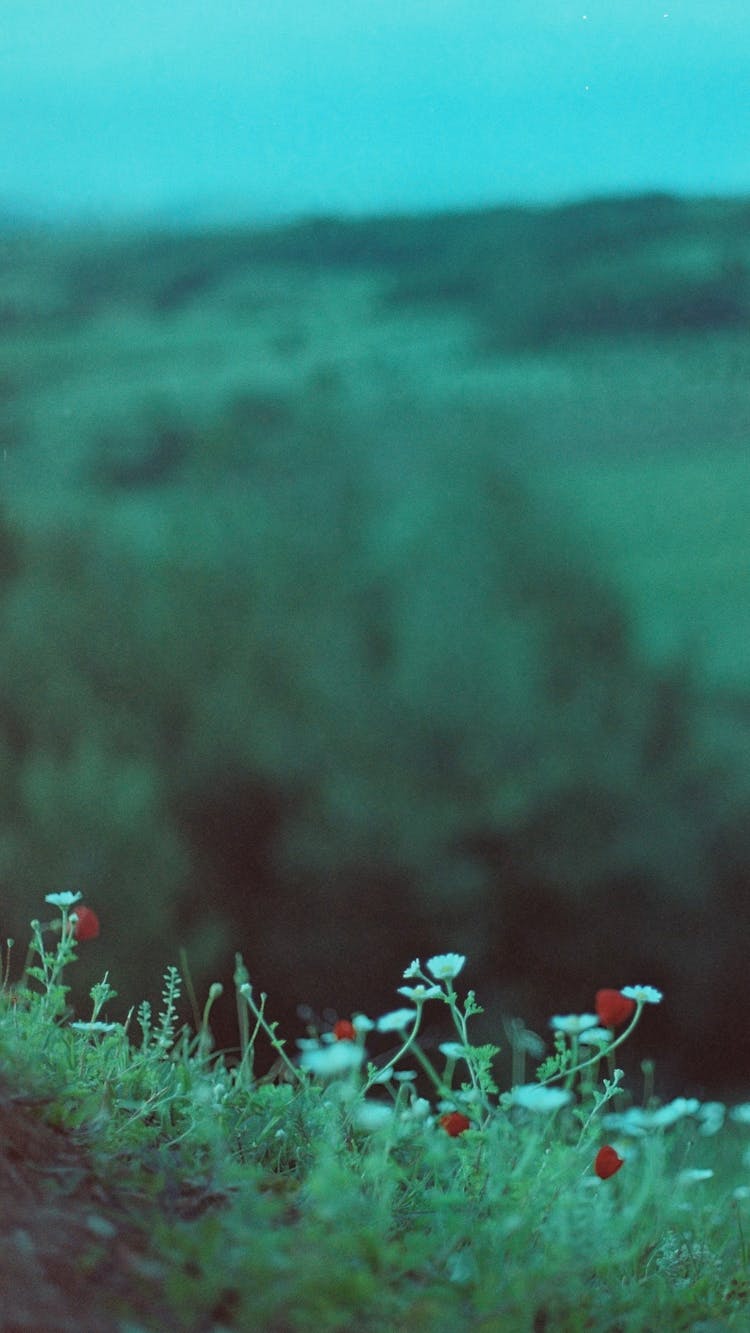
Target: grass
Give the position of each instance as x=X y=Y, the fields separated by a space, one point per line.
x=151 y=1182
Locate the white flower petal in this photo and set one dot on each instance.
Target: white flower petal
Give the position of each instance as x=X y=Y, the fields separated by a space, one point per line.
x=573 y=1023
x=642 y=994
x=328 y=1061
x=396 y=1021
x=535 y=1097
x=418 y=994
x=65 y=899
x=445 y=966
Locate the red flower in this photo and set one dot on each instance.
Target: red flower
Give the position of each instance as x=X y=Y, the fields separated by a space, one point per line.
x=607 y=1161
x=454 y=1123
x=612 y=1008
x=343 y=1030
x=84 y=923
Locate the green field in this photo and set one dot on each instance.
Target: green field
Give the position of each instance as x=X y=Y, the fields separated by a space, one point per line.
x=475 y=324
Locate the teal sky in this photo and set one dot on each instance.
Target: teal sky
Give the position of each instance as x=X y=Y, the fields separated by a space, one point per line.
x=246 y=108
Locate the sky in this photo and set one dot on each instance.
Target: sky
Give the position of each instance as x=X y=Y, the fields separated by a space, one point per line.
x=208 y=109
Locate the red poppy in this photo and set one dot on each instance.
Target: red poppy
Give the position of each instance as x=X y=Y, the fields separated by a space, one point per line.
x=84 y=923
x=613 y=1008
x=343 y=1030
x=607 y=1161
x=454 y=1123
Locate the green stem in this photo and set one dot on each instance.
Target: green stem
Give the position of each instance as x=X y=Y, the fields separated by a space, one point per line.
x=565 y=1073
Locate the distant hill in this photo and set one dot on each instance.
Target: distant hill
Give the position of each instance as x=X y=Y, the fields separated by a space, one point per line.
x=530 y=276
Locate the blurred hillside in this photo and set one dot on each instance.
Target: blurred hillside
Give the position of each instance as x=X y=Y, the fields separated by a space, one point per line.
x=378 y=587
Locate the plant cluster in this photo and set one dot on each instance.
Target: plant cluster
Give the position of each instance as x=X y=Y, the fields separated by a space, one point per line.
x=356 y=1186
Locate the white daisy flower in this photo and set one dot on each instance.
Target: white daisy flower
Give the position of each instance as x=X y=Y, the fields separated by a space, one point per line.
x=371 y=1116
x=419 y=1109
x=711 y=1116
x=637 y=1119
x=361 y=1023
x=595 y=1037
x=642 y=994
x=454 y=1050
x=535 y=1097
x=329 y=1061
x=418 y=994
x=741 y=1113
x=573 y=1024
x=692 y=1175
x=413 y=970
x=65 y=899
x=445 y=966
x=396 y=1020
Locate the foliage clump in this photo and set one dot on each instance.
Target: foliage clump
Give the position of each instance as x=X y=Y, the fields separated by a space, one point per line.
x=372 y=1183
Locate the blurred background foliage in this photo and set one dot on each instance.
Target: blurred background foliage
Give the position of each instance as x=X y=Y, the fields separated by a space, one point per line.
x=316 y=639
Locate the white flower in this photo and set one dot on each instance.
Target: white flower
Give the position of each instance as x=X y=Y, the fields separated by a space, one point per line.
x=65 y=899
x=419 y=1109
x=445 y=966
x=372 y=1116
x=396 y=1021
x=418 y=994
x=454 y=1050
x=693 y=1175
x=637 y=1121
x=664 y=1116
x=361 y=1023
x=328 y=1061
x=595 y=1037
x=535 y=1097
x=741 y=1113
x=711 y=1116
x=627 y=1122
x=642 y=994
x=413 y=970
x=573 y=1024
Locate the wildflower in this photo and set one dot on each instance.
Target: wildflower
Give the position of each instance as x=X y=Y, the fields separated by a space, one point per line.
x=413 y=970
x=84 y=923
x=453 y=1050
x=607 y=1162
x=62 y=900
x=535 y=1097
x=371 y=1116
x=692 y=1175
x=419 y=1109
x=637 y=1120
x=344 y=1030
x=741 y=1113
x=418 y=994
x=396 y=1021
x=445 y=966
x=361 y=1023
x=573 y=1024
x=595 y=1037
x=613 y=1008
x=711 y=1116
x=642 y=994
x=328 y=1061
x=454 y=1123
